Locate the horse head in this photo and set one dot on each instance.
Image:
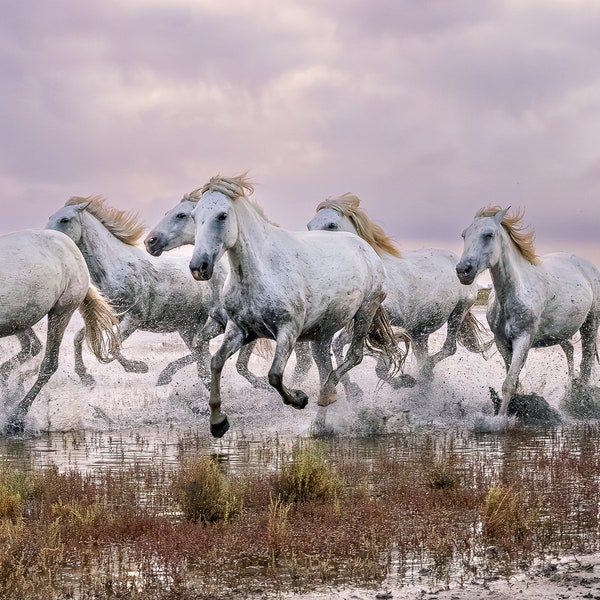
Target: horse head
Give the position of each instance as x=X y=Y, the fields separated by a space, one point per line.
x=68 y=220
x=330 y=219
x=176 y=228
x=482 y=244
x=216 y=231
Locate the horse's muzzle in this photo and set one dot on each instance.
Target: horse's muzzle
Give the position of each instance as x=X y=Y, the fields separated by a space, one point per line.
x=202 y=270
x=465 y=272
x=153 y=245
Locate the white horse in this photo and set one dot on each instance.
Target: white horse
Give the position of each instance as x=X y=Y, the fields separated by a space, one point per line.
x=422 y=291
x=536 y=301
x=177 y=228
x=156 y=295
x=44 y=273
x=287 y=286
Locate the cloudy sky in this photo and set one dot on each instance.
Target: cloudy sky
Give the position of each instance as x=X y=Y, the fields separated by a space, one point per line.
x=426 y=109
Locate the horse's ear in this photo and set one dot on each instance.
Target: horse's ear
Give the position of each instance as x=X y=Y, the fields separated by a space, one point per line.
x=82 y=206
x=501 y=214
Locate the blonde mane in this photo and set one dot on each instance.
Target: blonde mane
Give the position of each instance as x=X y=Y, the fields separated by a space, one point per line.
x=124 y=225
x=516 y=230
x=234 y=188
x=193 y=196
x=348 y=205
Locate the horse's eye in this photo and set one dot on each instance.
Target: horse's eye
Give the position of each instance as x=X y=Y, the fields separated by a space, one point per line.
x=221 y=216
x=331 y=226
x=180 y=215
x=489 y=235
x=64 y=220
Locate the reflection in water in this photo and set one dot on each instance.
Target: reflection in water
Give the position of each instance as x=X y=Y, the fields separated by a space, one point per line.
x=89 y=451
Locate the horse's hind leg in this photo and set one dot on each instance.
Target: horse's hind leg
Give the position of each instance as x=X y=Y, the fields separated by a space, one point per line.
x=453 y=326
x=360 y=328
x=80 y=368
x=200 y=354
x=57 y=324
x=286 y=339
x=352 y=389
x=126 y=328
x=303 y=360
x=589 y=331
x=241 y=365
x=30 y=347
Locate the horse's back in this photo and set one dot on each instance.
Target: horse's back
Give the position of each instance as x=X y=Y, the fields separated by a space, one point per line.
x=572 y=277
x=561 y=292
x=338 y=256
x=423 y=289
x=40 y=270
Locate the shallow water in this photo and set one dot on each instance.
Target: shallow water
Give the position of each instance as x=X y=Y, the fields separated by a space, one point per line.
x=126 y=416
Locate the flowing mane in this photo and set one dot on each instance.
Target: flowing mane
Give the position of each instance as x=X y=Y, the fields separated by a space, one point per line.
x=193 y=196
x=124 y=225
x=232 y=187
x=348 y=205
x=516 y=230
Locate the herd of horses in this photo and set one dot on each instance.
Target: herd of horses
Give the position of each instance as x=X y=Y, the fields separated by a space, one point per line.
x=330 y=293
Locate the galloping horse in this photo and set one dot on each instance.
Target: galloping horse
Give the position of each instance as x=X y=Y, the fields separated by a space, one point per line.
x=177 y=228
x=422 y=291
x=156 y=295
x=287 y=286
x=44 y=273
x=536 y=301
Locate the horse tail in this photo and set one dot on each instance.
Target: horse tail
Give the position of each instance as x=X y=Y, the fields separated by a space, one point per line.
x=264 y=348
x=474 y=336
x=384 y=339
x=101 y=325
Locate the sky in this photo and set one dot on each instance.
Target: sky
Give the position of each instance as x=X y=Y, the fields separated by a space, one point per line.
x=427 y=110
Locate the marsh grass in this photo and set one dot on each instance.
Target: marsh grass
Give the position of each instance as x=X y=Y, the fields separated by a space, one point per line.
x=322 y=513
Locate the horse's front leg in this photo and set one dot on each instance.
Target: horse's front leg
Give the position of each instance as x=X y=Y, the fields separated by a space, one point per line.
x=233 y=340
x=567 y=347
x=520 y=349
x=286 y=339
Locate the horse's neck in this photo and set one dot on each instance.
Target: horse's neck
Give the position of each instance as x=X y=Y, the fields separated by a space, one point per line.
x=103 y=251
x=256 y=240
x=512 y=275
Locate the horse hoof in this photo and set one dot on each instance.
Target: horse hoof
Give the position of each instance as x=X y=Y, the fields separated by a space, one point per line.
x=296 y=399
x=15 y=426
x=327 y=398
x=219 y=429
